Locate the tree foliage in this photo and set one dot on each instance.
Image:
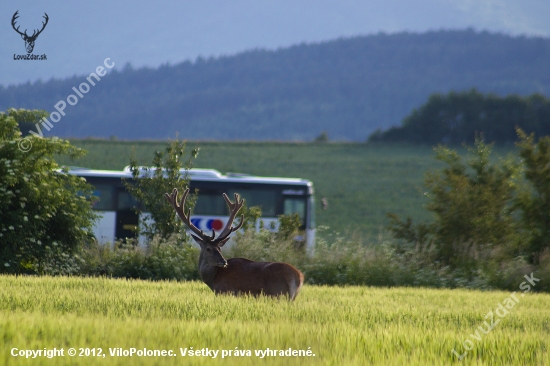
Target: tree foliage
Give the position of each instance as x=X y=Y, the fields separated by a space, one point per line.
x=151 y=183
x=46 y=214
x=486 y=210
x=534 y=202
x=471 y=202
x=457 y=117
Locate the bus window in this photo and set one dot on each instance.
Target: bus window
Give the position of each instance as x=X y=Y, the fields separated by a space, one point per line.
x=263 y=198
x=126 y=201
x=295 y=206
x=105 y=192
x=210 y=204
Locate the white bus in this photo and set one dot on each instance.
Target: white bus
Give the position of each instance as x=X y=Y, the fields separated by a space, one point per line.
x=275 y=196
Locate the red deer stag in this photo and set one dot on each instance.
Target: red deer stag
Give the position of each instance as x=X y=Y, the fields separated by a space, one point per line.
x=236 y=275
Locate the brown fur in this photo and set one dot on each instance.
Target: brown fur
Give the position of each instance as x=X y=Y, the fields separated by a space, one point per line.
x=243 y=276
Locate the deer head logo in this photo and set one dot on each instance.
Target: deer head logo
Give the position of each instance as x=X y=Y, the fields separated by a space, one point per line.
x=29 y=40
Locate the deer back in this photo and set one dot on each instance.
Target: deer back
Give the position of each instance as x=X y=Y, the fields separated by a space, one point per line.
x=243 y=276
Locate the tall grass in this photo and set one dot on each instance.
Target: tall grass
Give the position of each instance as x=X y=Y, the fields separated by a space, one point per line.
x=158 y=261
x=342 y=325
x=336 y=260
x=349 y=259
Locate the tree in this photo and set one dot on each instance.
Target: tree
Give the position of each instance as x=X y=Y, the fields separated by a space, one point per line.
x=322 y=138
x=472 y=205
x=457 y=117
x=149 y=185
x=535 y=201
x=45 y=214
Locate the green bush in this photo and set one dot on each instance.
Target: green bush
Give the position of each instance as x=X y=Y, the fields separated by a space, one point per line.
x=473 y=208
x=173 y=260
x=337 y=260
x=263 y=245
x=348 y=260
x=45 y=214
x=491 y=220
x=534 y=201
x=151 y=183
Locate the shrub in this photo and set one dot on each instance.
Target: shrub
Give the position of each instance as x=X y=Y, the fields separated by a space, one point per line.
x=534 y=201
x=151 y=183
x=473 y=208
x=491 y=227
x=173 y=260
x=45 y=214
x=263 y=245
x=340 y=260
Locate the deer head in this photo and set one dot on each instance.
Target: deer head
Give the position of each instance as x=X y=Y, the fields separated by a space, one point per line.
x=29 y=40
x=209 y=244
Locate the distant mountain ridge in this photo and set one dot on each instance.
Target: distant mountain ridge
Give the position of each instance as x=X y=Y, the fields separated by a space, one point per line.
x=346 y=87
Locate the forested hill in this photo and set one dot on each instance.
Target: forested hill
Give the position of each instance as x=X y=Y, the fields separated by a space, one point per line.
x=460 y=117
x=346 y=87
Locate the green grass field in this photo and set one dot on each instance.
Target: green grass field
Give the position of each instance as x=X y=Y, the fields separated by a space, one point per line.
x=361 y=182
x=341 y=326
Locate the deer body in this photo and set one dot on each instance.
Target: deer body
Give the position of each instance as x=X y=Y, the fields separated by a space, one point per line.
x=243 y=276
x=237 y=276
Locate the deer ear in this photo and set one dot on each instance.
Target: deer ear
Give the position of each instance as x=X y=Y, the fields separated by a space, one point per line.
x=198 y=240
x=222 y=242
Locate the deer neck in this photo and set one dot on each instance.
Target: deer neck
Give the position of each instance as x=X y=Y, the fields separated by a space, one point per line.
x=206 y=271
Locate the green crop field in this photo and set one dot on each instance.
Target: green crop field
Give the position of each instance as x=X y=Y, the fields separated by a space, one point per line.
x=338 y=326
x=361 y=182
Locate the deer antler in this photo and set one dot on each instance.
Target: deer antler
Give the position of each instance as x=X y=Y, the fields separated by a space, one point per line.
x=13 y=19
x=43 y=26
x=234 y=208
x=173 y=200
x=34 y=34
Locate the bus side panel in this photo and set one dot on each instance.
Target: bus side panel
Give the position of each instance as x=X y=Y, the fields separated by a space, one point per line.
x=217 y=223
x=144 y=217
x=104 y=229
x=310 y=240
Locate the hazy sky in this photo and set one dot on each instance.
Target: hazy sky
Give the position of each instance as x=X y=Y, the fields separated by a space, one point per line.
x=80 y=35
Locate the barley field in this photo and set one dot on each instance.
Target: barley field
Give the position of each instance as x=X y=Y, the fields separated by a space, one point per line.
x=103 y=319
